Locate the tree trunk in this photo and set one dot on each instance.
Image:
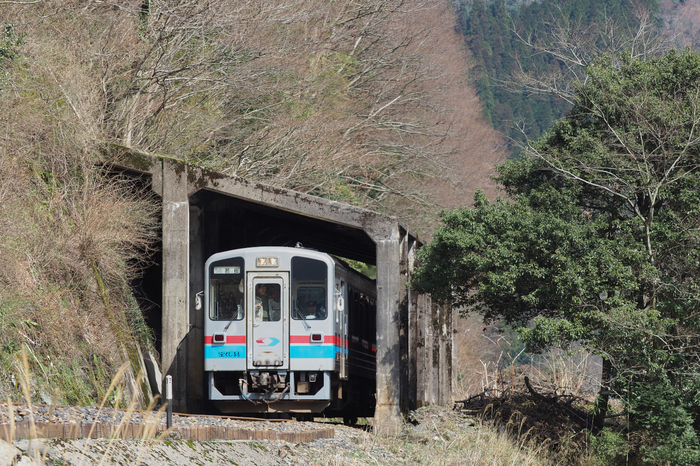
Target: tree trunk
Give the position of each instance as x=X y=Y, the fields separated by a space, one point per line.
x=601 y=402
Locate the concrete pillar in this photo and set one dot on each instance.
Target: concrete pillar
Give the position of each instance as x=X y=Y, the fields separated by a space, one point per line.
x=425 y=351
x=175 y=277
x=404 y=325
x=195 y=338
x=436 y=326
x=414 y=350
x=412 y=328
x=448 y=362
x=387 y=417
x=444 y=394
x=443 y=383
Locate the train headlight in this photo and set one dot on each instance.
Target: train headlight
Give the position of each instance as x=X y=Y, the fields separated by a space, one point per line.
x=267 y=262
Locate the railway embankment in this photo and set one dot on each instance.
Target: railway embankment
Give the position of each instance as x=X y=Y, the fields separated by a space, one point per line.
x=67 y=423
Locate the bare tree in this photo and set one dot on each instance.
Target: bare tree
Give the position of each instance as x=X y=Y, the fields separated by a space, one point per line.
x=340 y=100
x=364 y=101
x=574 y=45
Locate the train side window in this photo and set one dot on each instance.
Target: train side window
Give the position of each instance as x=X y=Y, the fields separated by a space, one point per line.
x=311 y=303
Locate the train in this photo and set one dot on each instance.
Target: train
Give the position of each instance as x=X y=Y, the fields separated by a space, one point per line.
x=289 y=330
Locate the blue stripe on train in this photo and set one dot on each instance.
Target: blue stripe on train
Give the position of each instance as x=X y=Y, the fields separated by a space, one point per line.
x=224 y=352
x=313 y=352
x=303 y=352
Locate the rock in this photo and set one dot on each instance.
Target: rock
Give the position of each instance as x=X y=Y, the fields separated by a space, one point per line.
x=9 y=455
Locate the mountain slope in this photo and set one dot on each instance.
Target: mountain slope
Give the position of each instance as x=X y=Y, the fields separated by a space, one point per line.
x=365 y=102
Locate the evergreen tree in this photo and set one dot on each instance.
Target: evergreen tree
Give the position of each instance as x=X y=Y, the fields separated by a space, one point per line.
x=600 y=244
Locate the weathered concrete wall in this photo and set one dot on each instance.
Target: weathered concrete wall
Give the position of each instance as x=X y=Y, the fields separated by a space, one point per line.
x=195 y=338
x=405 y=314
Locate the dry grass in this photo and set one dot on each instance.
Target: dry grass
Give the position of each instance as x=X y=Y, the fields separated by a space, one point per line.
x=153 y=432
x=72 y=236
x=439 y=436
x=491 y=367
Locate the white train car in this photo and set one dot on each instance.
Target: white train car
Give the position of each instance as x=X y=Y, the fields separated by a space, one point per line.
x=289 y=330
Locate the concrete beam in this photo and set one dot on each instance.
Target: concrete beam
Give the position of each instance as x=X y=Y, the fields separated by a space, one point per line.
x=376 y=225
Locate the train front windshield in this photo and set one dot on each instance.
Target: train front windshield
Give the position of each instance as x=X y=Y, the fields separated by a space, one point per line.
x=268 y=302
x=227 y=290
x=309 y=285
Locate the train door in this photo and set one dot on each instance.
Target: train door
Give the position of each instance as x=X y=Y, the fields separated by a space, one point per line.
x=268 y=320
x=341 y=313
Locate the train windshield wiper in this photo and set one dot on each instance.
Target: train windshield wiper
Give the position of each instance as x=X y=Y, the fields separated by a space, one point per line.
x=235 y=314
x=302 y=317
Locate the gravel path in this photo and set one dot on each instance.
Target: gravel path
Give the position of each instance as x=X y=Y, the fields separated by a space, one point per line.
x=349 y=446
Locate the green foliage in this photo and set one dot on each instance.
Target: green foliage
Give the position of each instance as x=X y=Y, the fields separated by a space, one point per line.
x=609 y=447
x=599 y=244
x=9 y=42
x=140 y=331
x=365 y=269
x=10 y=321
x=657 y=409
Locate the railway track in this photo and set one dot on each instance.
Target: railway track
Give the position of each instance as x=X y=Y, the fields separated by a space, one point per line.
x=70 y=422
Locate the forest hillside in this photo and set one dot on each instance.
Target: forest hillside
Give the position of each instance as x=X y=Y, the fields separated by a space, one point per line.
x=527 y=54
x=365 y=102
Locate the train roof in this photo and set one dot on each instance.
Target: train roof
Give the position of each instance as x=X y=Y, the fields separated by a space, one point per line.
x=289 y=250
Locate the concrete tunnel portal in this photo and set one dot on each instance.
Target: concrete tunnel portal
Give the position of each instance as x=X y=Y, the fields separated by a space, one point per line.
x=206 y=212
x=224 y=222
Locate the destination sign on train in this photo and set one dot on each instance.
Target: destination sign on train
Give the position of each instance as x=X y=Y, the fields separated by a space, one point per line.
x=227 y=270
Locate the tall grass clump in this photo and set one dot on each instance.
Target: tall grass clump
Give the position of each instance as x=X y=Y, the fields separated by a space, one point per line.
x=72 y=234
x=151 y=434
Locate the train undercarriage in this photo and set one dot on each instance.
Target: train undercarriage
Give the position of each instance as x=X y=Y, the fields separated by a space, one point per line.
x=315 y=393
